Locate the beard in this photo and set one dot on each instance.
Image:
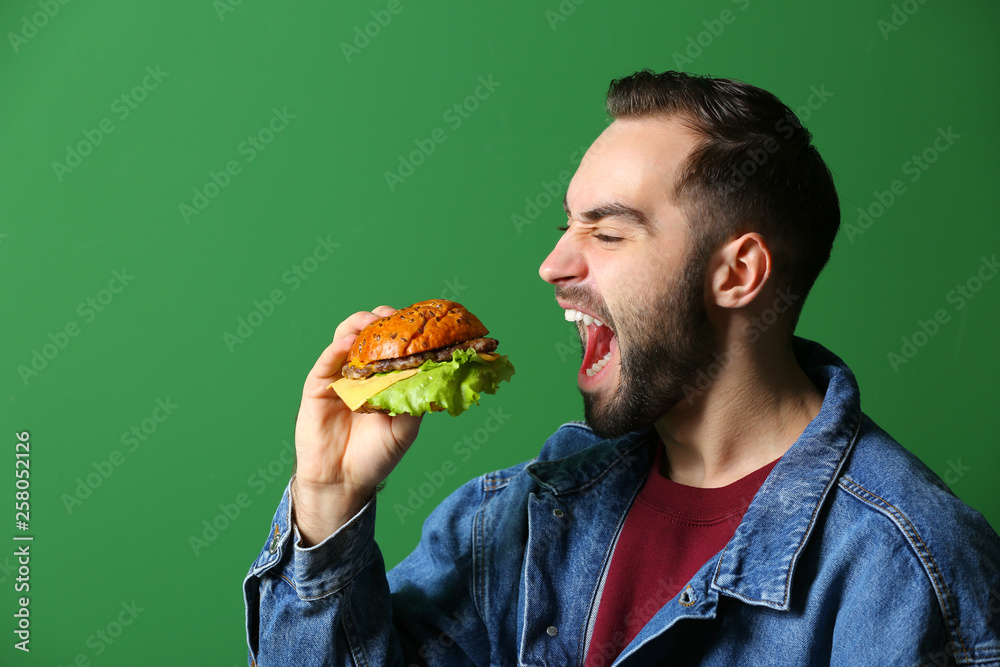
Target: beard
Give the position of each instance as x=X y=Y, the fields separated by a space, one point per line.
x=663 y=340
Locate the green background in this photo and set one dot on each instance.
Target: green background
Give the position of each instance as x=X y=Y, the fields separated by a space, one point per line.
x=446 y=230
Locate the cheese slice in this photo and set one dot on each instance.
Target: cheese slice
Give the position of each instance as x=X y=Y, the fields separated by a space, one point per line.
x=355 y=392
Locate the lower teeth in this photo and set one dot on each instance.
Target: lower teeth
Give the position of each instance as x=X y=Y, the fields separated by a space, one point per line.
x=601 y=363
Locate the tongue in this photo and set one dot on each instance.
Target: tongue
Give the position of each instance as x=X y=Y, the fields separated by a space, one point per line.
x=598 y=345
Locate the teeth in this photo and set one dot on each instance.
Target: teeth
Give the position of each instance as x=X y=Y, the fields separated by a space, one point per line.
x=572 y=315
x=598 y=365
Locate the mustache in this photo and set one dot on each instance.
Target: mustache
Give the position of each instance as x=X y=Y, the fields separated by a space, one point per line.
x=583 y=298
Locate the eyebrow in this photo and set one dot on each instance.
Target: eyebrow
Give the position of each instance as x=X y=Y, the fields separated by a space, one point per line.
x=627 y=213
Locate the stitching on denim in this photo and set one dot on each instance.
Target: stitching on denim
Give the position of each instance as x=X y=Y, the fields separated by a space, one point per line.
x=479 y=553
x=985 y=652
x=353 y=642
x=910 y=531
x=491 y=483
x=290 y=583
x=621 y=455
x=320 y=596
x=642 y=441
x=334 y=590
x=805 y=534
x=582 y=425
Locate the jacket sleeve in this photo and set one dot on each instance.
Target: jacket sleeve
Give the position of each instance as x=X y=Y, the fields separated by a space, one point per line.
x=332 y=604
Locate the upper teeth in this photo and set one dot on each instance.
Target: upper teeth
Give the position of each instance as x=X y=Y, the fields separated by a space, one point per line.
x=576 y=316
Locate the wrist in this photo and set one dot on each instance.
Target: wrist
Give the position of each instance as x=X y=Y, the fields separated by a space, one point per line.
x=322 y=509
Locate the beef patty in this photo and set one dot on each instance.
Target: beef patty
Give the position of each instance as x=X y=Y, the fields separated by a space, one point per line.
x=414 y=360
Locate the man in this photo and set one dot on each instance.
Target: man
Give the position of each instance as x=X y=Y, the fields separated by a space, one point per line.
x=726 y=503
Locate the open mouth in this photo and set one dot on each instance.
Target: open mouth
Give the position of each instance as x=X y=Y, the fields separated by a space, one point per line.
x=600 y=344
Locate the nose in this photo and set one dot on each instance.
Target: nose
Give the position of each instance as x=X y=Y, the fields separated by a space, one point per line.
x=564 y=264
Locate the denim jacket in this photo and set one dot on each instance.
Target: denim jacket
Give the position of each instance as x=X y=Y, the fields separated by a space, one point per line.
x=852 y=552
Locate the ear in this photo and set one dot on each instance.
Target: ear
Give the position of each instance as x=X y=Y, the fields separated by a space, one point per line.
x=740 y=270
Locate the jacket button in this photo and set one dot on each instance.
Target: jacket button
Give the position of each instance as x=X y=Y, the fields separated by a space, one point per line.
x=558 y=512
x=551 y=631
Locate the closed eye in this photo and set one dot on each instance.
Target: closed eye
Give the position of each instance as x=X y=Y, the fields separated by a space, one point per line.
x=603 y=238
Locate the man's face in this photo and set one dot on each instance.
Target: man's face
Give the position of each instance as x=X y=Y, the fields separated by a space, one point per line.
x=627 y=260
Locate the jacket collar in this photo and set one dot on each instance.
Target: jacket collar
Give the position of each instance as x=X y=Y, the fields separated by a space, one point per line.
x=757 y=564
x=629 y=455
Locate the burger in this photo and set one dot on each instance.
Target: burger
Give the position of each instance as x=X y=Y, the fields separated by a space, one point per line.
x=429 y=357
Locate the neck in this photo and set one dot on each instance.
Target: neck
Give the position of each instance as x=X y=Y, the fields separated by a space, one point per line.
x=748 y=417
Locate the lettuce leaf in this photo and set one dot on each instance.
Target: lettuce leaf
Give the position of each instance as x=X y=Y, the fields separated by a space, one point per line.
x=452 y=385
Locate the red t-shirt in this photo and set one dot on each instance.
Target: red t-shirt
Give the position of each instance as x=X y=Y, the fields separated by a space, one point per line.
x=671 y=531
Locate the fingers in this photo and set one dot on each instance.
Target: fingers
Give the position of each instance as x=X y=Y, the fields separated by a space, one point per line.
x=405 y=428
x=358 y=321
x=327 y=367
x=355 y=323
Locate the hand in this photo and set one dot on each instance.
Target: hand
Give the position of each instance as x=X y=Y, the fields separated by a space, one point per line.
x=342 y=456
